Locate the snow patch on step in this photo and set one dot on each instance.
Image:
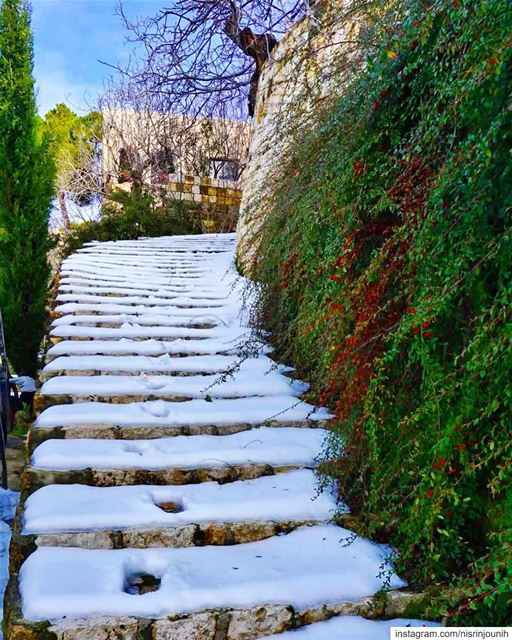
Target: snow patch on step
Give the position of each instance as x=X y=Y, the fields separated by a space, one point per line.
x=305 y=568
x=164 y=363
x=132 y=331
x=242 y=383
x=72 y=508
x=281 y=446
x=207 y=346
x=253 y=410
x=192 y=318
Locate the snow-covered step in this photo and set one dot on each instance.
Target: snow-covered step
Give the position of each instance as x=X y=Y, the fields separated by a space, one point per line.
x=175 y=516
x=159 y=418
x=304 y=569
x=177 y=301
x=179 y=460
x=133 y=283
x=232 y=342
x=208 y=504
x=141 y=310
x=203 y=320
x=134 y=332
x=165 y=364
x=168 y=277
x=134 y=261
x=169 y=294
x=194 y=412
x=135 y=268
x=245 y=382
x=280 y=447
x=98 y=277
x=349 y=628
x=120 y=290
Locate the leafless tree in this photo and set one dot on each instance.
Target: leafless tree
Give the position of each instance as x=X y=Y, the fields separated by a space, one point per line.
x=206 y=56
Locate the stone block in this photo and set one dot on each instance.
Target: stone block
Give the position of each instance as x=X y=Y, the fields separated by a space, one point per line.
x=198 y=626
x=264 y=621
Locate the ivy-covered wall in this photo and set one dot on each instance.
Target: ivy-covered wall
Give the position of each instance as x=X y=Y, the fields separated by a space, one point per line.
x=386 y=261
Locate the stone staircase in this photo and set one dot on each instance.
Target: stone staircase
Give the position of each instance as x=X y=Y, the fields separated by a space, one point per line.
x=169 y=491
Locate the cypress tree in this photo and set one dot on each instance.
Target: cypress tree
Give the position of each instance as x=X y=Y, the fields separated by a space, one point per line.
x=26 y=188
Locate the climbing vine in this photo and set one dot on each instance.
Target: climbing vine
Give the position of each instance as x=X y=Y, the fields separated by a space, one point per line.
x=386 y=263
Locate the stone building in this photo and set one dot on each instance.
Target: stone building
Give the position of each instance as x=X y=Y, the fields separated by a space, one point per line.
x=193 y=159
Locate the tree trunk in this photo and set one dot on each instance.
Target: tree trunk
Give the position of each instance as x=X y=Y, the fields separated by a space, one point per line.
x=64 y=210
x=256 y=46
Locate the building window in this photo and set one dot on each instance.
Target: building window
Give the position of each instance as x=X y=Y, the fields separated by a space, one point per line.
x=224 y=168
x=163 y=163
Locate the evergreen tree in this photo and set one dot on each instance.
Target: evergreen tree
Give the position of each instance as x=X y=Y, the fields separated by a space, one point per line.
x=75 y=144
x=26 y=188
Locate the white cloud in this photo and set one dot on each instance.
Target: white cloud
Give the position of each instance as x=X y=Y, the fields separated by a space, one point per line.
x=54 y=85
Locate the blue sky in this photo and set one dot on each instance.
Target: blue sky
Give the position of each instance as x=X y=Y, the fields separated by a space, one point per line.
x=70 y=37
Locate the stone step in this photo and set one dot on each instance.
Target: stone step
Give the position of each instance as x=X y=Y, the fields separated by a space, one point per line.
x=148 y=432
x=220 y=624
x=87 y=366
x=140 y=310
x=161 y=418
x=235 y=592
x=180 y=347
x=284 y=446
x=116 y=322
x=142 y=516
x=121 y=389
x=202 y=320
x=191 y=535
x=120 y=290
x=34 y=478
x=73 y=332
x=189 y=520
x=176 y=460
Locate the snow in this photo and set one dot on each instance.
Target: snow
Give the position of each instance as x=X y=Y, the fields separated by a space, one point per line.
x=190 y=364
x=132 y=331
x=285 y=496
x=253 y=410
x=226 y=310
x=233 y=344
x=126 y=311
x=161 y=292
x=265 y=445
x=197 y=316
x=349 y=628
x=178 y=301
x=242 y=383
x=131 y=284
x=305 y=568
x=8 y=502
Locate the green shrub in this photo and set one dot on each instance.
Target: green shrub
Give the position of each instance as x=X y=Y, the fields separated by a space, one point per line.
x=135 y=214
x=386 y=260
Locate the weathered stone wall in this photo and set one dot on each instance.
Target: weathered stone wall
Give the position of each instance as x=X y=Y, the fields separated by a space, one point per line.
x=308 y=68
x=219 y=199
